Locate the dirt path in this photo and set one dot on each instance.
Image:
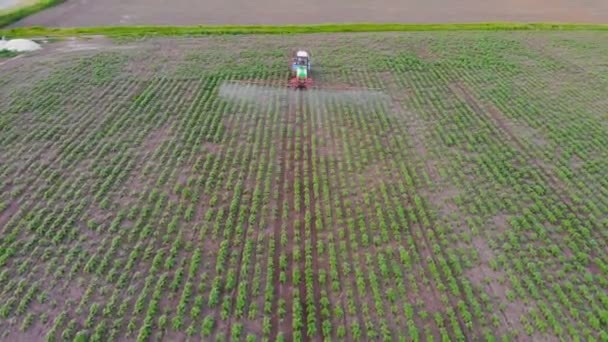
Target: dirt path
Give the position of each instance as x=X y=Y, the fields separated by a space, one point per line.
x=191 y=12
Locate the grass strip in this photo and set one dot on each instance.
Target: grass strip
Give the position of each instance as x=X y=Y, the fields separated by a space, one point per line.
x=140 y=31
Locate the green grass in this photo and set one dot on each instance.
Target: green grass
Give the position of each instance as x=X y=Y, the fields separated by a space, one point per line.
x=14 y=15
x=138 y=31
x=7 y=54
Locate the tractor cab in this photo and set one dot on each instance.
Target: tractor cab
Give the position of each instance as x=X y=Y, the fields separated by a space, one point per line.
x=301 y=58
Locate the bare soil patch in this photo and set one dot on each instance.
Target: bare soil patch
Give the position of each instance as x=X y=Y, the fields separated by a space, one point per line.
x=34 y=333
x=6 y=215
x=213 y=148
x=501 y=222
x=155 y=138
x=487 y=278
x=594 y=268
x=576 y=162
x=442 y=198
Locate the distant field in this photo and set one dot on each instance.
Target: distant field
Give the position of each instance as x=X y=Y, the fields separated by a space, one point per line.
x=75 y=13
x=10 y=4
x=434 y=186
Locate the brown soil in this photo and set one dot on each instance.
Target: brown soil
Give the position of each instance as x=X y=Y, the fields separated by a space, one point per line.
x=576 y=162
x=155 y=138
x=211 y=147
x=594 y=268
x=34 y=333
x=6 y=215
x=482 y=273
x=190 y=12
x=443 y=199
x=324 y=147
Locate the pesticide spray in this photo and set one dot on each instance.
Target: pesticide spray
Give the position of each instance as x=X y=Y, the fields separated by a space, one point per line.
x=261 y=94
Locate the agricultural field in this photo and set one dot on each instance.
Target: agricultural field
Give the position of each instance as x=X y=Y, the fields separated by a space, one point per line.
x=78 y=13
x=433 y=186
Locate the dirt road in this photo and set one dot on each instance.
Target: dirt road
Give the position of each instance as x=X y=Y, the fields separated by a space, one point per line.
x=192 y=12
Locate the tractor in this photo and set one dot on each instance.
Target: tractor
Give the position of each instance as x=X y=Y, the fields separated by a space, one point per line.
x=300 y=70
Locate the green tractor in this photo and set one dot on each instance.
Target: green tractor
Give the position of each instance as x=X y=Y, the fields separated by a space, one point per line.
x=300 y=70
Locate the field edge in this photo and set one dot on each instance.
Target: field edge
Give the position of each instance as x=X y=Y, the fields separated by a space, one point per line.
x=13 y=15
x=200 y=30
